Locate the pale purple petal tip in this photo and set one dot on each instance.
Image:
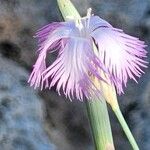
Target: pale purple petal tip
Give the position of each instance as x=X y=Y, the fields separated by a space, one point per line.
x=122 y=55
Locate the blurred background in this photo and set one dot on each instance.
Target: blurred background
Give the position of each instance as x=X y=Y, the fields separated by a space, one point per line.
x=42 y=120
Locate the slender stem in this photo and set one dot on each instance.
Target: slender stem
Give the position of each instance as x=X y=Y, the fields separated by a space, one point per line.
x=111 y=98
x=67 y=9
x=126 y=128
x=97 y=109
x=100 y=124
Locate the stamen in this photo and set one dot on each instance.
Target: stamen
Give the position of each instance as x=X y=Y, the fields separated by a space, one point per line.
x=77 y=21
x=89 y=12
x=79 y=24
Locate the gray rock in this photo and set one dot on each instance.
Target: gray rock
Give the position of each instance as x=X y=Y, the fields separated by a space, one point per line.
x=19 y=21
x=21 y=111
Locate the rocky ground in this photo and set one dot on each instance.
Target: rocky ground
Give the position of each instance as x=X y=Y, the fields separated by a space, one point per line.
x=34 y=120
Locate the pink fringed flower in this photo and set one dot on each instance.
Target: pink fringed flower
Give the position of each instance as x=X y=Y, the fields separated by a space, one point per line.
x=119 y=56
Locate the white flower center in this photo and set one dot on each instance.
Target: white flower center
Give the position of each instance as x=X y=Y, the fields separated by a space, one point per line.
x=78 y=21
x=79 y=24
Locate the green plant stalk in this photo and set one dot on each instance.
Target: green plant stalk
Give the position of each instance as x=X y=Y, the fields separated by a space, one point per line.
x=111 y=98
x=126 y=129
x=97 y=108
x=67 y=9
x=100 y=124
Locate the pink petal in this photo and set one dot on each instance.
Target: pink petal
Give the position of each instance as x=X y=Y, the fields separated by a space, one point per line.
x=122 y=54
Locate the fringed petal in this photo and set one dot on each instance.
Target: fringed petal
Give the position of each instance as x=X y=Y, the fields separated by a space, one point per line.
x=122 y=54
x=49 y=36
x=36 y=78
x=70 y=71
x=43 y=33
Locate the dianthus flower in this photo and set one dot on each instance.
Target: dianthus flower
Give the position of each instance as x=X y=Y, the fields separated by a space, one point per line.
x=119 y=56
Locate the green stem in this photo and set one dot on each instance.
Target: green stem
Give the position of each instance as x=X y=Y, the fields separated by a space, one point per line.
x=67 y=9
x=126 y=128
x=97 y=109
x=111 y=98
x=100 y=124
